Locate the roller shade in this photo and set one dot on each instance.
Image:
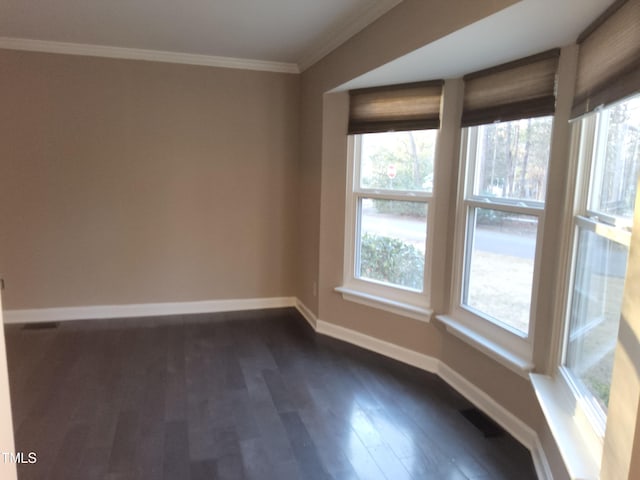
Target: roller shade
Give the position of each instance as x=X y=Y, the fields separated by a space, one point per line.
x=410 y=106
x=609 y=58
x=523 y=88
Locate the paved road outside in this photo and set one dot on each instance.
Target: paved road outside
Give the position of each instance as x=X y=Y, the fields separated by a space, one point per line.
x=519 y=243
x=413 y=230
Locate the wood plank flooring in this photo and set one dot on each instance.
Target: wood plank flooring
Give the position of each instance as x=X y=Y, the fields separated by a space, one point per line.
x=246 y=395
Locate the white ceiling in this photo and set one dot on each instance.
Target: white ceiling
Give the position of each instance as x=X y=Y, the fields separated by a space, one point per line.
x=525 y=28
x=281 y=35
x=296 y=32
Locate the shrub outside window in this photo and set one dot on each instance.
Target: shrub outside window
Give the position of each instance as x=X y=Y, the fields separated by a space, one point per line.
x=392 y=188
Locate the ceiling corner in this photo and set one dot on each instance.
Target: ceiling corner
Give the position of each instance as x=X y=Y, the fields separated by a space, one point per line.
x=338 y=34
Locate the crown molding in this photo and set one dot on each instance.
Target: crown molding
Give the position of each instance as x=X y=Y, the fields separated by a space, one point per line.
x=9 y=43
x=328 y=42
x=342 y=32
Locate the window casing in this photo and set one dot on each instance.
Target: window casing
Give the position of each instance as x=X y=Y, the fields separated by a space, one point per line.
x=609 y=160
x=390 y=190
x=499 y=231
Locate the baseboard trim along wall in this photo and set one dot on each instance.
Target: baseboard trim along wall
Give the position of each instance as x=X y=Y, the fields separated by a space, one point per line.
x=387 y=349
x=144 y=310
x=512 y=424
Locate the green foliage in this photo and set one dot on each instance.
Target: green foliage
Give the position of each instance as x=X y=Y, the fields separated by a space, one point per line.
x=514 y=157
x=600 y=387
x=486 y=216
x=410 y=153
x=409 y=209
x=621 y=164
x=391 y=260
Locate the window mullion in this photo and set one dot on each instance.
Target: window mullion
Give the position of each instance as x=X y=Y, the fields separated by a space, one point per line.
x=392 y=195
x=610 y=232
x=504 y=207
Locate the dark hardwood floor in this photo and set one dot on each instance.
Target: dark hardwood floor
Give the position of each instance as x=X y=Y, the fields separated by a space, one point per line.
x=255 y=395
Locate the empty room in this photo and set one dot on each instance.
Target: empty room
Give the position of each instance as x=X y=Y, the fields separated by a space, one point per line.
x=347 y=239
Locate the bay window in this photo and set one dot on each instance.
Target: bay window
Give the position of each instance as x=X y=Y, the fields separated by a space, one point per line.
x=603 y=177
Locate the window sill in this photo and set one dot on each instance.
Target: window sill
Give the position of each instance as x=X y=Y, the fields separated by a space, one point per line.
x=580 y=452
x=506 y=358
x=382 y=303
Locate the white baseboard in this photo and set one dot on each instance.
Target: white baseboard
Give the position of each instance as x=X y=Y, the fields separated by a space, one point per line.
x=540 y=460
x=404 y=355
x=143 y=310
x=512 y=424
x=526 y=435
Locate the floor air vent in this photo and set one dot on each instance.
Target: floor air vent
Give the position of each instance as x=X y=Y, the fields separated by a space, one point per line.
x=488 y=427
x=40 y=326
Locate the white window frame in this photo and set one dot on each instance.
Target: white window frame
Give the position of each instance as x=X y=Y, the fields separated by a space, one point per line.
x=397 y=299
x=588 y=131
x=505 y=343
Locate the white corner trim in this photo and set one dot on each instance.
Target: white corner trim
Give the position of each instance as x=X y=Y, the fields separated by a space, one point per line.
x=501 y=355
x=143 y=310
x=512 y=424
x=27 y=44
x=393 y=306
x=336 y=36
x=308 y=315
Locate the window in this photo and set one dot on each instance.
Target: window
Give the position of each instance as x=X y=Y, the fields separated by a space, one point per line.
x=602 y=172
x=610 y=152
x=390 y=187
x=504 y=201
x=507 y=121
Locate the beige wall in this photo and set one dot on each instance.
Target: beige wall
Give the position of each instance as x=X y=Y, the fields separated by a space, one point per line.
x=132 y=182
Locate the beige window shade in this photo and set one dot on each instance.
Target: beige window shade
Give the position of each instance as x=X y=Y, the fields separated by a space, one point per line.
x=410 y=106
x=609 y=58
x=524 y=88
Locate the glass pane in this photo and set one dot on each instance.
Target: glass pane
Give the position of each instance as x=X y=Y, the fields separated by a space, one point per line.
x=392 y=240
x=617 y=161
x=595 y=312
x=511 y=159
x=398 y=160
x=501 y=248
